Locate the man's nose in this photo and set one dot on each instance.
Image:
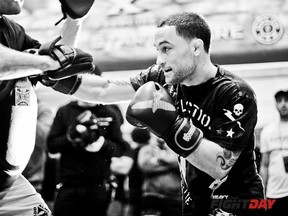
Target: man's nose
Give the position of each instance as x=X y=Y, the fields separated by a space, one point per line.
x=160 y=60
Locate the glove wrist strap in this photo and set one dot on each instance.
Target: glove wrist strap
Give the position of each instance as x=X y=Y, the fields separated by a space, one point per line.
x=184 y=138
x=69 y=85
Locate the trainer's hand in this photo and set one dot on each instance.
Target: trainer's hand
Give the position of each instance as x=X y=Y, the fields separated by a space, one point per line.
x=66 y=86
x=51 y=63
x=72 y=60
x=153 y=107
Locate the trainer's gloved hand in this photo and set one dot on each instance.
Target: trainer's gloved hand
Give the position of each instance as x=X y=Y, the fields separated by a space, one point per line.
x=72 y=60
x=153 y=107
x=75 y=8
x=66 y=86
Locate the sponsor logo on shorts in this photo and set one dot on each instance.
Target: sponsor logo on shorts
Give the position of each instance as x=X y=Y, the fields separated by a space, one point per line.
x=41 y=210
x=22 y=96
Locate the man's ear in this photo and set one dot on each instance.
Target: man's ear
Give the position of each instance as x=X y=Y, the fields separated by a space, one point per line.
x=197 y=46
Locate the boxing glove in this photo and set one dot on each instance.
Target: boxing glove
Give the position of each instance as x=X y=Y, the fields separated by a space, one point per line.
x=153 y=107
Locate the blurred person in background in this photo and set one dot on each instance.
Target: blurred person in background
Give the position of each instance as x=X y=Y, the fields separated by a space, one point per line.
x=120 y=167
x=161 y=189
x=274 y=149
x=88 y=136
x=18 y=108
x=141 y=138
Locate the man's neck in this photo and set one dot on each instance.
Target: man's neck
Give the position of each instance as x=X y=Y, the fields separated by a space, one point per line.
x=202 y=73
x=284 y=119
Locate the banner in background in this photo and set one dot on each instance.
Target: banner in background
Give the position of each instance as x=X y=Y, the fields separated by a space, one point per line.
x=119 y=33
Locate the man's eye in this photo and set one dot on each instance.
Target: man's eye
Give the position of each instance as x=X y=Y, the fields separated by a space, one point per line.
x=165 y=49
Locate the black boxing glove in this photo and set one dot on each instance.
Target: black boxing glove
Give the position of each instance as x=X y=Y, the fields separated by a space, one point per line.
x=153 y=107
x=75 y=8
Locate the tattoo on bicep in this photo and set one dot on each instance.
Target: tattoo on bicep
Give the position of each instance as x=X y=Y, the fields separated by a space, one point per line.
x=120 y=82
x=227 y=158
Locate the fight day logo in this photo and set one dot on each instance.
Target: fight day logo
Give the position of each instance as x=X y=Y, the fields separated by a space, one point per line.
x=232 y=203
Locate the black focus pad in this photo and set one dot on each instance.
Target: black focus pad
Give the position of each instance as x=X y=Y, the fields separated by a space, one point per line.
x=72 y=60
x=76 y=8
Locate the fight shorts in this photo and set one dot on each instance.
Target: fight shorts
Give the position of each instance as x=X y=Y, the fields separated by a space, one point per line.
x=21 y=199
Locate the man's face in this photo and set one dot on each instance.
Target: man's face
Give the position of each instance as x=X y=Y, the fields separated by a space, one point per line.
x=282 y=105
x=10 y=7
x=175 y=55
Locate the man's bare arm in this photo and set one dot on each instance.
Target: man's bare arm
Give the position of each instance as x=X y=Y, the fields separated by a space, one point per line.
x=213 y=159
x=15 y=64
x=99 y=89
x=264 y=168
x=71 y=31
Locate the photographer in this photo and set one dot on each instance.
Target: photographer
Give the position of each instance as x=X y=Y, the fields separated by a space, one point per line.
x=87 y=136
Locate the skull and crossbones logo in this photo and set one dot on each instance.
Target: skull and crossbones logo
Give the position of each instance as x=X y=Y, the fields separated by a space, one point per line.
x=238 y=109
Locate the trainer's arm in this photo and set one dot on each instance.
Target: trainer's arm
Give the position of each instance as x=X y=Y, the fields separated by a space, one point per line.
x=99 y=89
x=15 y=64
x=71 y=31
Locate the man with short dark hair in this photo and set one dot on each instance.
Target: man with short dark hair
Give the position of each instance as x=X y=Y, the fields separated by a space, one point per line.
x=274 y=149
x=206 y=115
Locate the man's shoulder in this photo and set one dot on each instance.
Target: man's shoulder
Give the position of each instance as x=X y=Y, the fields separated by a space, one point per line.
x=12 y=23
x=236 y=84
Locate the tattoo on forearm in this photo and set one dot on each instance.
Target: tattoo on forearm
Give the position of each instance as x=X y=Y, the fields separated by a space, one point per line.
x=227 y=158
x=120 y=82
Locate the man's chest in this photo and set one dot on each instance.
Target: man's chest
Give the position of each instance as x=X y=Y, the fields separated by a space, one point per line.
x=200 y=112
